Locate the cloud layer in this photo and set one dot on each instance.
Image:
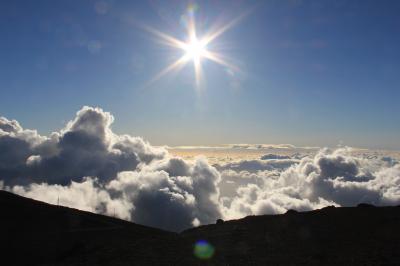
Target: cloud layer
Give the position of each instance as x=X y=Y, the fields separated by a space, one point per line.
x=328 y=178
x=87 y=166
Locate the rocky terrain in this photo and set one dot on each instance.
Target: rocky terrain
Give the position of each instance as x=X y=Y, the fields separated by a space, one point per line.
x=36 y=233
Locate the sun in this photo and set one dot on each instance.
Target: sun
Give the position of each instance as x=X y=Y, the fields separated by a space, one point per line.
x=195 y=49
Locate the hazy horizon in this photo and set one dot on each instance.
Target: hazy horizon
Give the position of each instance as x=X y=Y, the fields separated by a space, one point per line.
x=201 y=145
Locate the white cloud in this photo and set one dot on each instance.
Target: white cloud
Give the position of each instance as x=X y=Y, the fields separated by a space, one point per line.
x=135 y=180
x=87 y=195
x=253 y=166
x=328 y=178
x=87 y=166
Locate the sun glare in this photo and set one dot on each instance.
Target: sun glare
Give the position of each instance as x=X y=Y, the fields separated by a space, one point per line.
x=195 y=49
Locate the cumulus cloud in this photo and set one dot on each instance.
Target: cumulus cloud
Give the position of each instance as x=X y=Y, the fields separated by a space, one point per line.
x=327 y=178
x=87 y=166
x=85 y=147
x=87 y=195
x=169 y=191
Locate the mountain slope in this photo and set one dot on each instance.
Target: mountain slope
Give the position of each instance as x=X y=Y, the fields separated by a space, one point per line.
x=330 y=236
x=36 y=233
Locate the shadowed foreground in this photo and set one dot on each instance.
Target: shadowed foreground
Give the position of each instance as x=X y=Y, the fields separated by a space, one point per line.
x=36 y=233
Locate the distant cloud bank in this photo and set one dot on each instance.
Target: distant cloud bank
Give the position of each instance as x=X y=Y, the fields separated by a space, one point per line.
x=87 y=166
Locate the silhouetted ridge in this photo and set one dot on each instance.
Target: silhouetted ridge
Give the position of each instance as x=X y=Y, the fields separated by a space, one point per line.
x=36 y=233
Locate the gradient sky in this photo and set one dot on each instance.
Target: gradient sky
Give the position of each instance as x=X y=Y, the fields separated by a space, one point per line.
x=313 y=73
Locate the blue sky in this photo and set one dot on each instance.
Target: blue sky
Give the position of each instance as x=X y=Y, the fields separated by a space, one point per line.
x=314 y=73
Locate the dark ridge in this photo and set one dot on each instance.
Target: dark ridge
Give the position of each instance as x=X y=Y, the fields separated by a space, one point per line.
x=36 y=233
x=365 y=205
x=291 y=211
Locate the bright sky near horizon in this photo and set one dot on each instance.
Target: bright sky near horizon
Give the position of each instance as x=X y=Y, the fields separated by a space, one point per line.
x=309 y=73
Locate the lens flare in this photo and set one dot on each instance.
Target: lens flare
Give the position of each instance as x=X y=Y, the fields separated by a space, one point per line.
x=203 y=250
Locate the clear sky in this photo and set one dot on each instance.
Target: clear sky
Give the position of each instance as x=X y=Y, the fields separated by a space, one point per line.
x=314 y=73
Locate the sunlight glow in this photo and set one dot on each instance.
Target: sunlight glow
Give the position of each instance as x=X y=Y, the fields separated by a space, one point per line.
x=194 y=49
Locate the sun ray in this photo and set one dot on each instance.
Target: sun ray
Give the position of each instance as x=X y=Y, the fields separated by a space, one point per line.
x=167 y=39
x=198 y=72
x=194 y=48
x=215 y=34
x=191 y=28
x=219 y=59
x=178 y=64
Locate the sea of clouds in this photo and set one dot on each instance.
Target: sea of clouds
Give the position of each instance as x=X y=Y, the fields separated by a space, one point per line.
x=87 y=166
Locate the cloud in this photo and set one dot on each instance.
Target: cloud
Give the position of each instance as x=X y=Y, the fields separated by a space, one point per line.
x=231 y=180
x=327 y=178
x=271 y=156
x=253 y=166
x=85 y=147
x=262 y=146
x=169 y=191
x=87 y=166
x=87 y=195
